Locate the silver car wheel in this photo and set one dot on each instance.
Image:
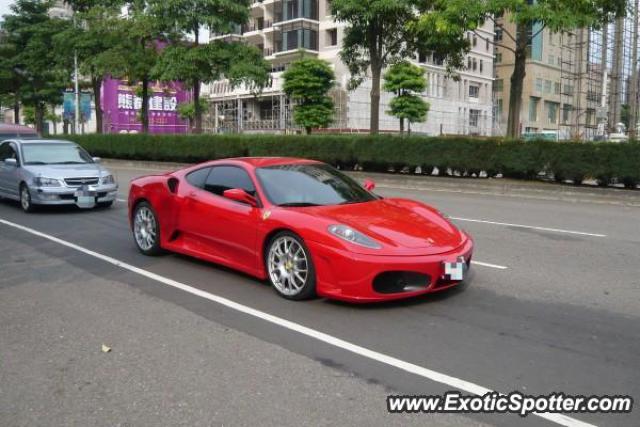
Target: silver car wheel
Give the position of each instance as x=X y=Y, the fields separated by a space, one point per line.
x=144 y=228
x=25 y=198
x=288 y=266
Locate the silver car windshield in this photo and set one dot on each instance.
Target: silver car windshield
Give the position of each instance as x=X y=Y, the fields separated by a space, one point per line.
x=54 y=154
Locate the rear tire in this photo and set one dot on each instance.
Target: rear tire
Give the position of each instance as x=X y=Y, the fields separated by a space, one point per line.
x=25 y=199
x=289 y=267
x=146 y=229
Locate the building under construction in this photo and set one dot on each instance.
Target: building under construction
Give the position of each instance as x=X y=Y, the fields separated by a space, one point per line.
x=579 y=84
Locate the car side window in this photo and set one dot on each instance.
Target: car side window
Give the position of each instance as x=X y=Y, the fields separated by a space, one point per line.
x=224 y=178
x=7 y=152
x=198 y=177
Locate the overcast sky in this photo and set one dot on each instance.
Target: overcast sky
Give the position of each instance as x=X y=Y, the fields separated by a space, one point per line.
x=4 y=6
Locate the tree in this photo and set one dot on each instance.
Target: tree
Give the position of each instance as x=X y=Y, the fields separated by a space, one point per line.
x=530 y=19
x=195 y=64
x=307 y=82
x=92 y=39
x=406 y=81
x=42 y=74
x=382 y=32
x=136 y=53
x=192 y=63
x=10 y=79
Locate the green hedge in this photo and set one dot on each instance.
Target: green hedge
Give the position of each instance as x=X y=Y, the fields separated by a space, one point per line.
x=515 y=159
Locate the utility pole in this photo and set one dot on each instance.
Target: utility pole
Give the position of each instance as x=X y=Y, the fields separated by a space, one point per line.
x=633 y=94
x=76 y=127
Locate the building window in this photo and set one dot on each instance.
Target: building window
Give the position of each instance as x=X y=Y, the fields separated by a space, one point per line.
x=474 y=91
x=498 y=58
x=475 y=41
x=481 y=63
x=332 y=37
x=539 y=84
x=552 y=60
x=298 y=36
x=533 y=108
x=499 y=103
x=498 y=36
x=498 y=85
x=556 y=88
x=566 y=113
x=548 y=84
x=552 y=112
x=486 y=42
x=294 y=9
x=568 y=89
x=474 y=116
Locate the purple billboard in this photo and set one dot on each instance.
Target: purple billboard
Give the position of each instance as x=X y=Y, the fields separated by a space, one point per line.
x=121 y=107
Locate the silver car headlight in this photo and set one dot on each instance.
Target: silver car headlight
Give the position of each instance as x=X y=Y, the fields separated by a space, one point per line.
x=107 y=180
x=47 y=182
x=350 y=235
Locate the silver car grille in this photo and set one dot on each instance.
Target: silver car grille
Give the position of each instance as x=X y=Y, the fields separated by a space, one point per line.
x=78 y=182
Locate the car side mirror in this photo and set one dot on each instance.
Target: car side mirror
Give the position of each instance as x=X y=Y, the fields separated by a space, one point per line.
x=97 y=159
x=239 y=195
x=11 y=162
x=369 y=185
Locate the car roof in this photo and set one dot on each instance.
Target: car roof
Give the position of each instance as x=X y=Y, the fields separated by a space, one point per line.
x=259 y=162
x=41 y=141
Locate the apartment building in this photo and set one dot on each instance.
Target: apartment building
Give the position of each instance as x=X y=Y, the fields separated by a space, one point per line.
x=562 y=89
x=281 y=28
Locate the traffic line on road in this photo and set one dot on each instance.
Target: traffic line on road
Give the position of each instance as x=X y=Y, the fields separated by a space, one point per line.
x=486 y=264
x=531 y=227
x=420 y=371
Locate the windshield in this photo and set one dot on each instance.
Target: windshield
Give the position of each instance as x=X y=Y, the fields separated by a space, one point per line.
x=310 y=185
x=54 y=154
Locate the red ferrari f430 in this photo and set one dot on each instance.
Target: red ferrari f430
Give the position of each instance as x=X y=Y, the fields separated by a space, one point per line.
x=304 y=226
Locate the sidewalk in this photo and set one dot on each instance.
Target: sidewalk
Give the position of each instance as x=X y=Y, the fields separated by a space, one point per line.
x=538 y=190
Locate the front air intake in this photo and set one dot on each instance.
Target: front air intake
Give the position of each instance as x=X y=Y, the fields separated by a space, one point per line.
x=393 y=282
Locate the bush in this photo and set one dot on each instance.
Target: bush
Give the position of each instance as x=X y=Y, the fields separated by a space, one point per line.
x=515 y=159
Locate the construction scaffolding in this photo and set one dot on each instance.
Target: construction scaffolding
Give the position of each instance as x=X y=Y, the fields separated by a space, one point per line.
x=599 y=74
x=581 y=86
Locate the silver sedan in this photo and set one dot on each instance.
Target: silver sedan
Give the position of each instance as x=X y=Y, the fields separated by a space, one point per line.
x=50 y=172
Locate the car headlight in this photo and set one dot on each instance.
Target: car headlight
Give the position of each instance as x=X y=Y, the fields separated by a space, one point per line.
x=350 y=235
x=107 y=179
x=47 y=182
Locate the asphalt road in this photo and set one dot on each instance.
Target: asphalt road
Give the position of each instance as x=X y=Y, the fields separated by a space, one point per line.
x=562 y=314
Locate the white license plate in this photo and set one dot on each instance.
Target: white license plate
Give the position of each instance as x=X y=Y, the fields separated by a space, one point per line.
x=455 y=270
x=85 y=201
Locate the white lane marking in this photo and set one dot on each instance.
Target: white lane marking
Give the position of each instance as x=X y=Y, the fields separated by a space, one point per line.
x=486 y=264
x=448 y=380
x=532 y=227
x=121 y=200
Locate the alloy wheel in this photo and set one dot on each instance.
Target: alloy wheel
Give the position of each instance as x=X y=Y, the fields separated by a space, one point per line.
x=145 y=228
x=288 y=266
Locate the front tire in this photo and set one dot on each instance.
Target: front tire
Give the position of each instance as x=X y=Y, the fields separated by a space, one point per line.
x=25 y=199
x=146 y=229
x=290 y=267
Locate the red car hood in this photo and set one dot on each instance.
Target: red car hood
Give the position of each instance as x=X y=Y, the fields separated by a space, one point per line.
x=397 y=223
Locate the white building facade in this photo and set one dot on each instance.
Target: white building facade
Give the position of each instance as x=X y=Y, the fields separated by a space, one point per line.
x=281 y=28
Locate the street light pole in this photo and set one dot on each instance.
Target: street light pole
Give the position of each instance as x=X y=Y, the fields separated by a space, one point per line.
x=77 y=93
x=76 y=127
